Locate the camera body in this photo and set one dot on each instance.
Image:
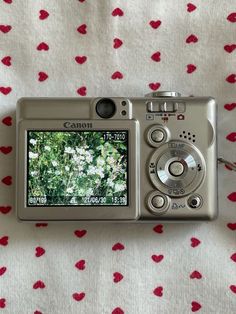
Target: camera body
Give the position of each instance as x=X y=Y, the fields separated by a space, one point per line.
x=117 y=159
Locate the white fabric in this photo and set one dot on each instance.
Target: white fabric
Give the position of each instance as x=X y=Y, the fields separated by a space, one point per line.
x=141 y=275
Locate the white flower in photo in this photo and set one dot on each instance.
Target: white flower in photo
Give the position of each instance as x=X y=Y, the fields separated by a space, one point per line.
x=57 y=172
x=89 y=192
x=100 y=161
x=32 y=141
x=110 y=160
x=49 y=171
x=48 y=148
x=70 y=190
x=33 y=173
x=54 y=163
x=91 y=170
x=99 y=172
x=33 y=155
x=89 y=158
x=67 y=168
x=110 y=182
x=69 y=150
x=119 y=187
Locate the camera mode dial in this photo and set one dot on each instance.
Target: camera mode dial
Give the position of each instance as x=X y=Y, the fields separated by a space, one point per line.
x=176 y=168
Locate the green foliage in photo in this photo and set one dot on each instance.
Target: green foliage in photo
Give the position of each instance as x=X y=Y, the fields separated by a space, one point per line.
x=66 y=166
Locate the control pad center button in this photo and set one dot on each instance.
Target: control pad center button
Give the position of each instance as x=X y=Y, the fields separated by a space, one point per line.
x=176 y=168
x=157 y=136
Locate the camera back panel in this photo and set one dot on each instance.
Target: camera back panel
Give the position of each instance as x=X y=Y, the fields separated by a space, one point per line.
x=167 y=151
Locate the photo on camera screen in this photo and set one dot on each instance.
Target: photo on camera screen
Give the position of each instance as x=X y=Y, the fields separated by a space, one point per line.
x=77 y=168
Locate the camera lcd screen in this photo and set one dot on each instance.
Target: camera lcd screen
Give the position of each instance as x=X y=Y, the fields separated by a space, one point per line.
x=77 y=168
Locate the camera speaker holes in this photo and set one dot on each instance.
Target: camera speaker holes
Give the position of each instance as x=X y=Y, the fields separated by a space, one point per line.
x=123 y=112
x=123 y=103
x=187 y=135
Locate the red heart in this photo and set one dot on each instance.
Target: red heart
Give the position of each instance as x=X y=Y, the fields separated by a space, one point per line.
x=154 y=86
x=5 y=209
x=158 y=229
x=233 y=257
x=78 y=296
x=41 y=224
x=7 y=180
x=82 y=29
x=155 y=24
x=195 y=242
x=195 y=306
x=7 y=121
x=2 y=303
x=228 y=167
x=230 y=48
x=82 y=91
x=8 y=1
x=191 y=7
x=117 y=43
x=233 y=288
x=6 y=61
x=81 y=0
x=117 y=12
x=157 y=258
x=39 y=251
x=231 y=226
x=117 y=75
x=156 y=56
x=230 y=107
x=5 y=28
x=195 y=275
x=43 y=46
x=117 y=310
x=37 y=312
x=231 y=137
x=158 y=291
x=39 y=285
x=231 y=78
x=4 y=241
x=80 y=59
x=191 y=39
x=2 y=270
x=5 y=90
x=117 y=277
x=232 y=17
x=43 y=14
x=5 y=149
x=80 y=233
x=42 y=76
x=232 y=197
x=118 y=247
x=191 y=68
x=80 y=264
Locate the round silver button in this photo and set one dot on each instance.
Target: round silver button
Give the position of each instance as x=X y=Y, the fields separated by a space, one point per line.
x=176 y=168
x=157 y=136
x=195 y=201
x=158 y=201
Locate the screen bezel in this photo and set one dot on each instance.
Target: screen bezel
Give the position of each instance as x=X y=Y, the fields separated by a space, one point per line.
x=88 y=212
x=76 y=205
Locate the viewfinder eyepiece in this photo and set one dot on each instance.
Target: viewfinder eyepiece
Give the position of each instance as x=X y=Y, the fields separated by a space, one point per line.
x=105 y=108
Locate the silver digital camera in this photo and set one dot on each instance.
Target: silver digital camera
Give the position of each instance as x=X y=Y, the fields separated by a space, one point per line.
x=117 y=159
